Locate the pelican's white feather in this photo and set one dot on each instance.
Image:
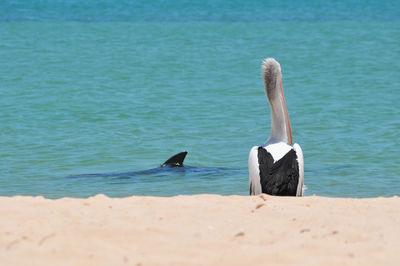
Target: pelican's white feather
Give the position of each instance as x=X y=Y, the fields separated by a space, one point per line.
x=277 y=150
x=254 y=172
x=300 y=160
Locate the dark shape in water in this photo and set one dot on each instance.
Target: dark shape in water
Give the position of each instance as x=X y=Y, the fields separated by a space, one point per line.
x=176 y=160
x=172 y=165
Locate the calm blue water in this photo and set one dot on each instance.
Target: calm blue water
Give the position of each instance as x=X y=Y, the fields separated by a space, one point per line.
x=116 y=86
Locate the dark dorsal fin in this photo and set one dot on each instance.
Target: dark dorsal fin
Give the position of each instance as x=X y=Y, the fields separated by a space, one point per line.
x=176 y=160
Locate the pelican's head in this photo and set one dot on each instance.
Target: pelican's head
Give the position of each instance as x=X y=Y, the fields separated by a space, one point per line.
x=280 y=123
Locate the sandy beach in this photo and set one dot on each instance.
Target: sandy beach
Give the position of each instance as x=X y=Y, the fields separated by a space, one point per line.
x=199 y=230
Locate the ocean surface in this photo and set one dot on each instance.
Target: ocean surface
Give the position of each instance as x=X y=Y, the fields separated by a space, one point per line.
x=103 y=86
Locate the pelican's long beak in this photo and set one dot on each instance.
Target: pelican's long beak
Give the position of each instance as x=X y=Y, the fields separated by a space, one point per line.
x=288 y=128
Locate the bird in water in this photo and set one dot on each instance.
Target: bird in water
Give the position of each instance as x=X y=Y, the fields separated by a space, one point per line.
x=276 y=167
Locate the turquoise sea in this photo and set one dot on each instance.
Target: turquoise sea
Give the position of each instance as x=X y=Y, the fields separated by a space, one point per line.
x=102 y=86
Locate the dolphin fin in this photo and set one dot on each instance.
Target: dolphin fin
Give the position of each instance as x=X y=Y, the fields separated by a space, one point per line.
x=176 y=160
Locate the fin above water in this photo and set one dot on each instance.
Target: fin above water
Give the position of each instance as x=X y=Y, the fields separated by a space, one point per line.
x=176 y=160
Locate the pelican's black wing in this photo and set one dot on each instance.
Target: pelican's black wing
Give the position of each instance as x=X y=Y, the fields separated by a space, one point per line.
x=280 y=178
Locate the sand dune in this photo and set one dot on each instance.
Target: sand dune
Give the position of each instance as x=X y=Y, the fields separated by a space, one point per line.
x=199 y=230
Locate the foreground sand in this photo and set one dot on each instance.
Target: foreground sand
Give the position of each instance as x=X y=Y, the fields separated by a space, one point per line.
x=201 y=229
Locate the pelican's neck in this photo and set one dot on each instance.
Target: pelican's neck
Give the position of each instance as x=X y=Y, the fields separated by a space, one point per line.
x=280 y=123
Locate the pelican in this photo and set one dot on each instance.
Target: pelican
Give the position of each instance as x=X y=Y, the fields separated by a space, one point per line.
x=276 y=167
